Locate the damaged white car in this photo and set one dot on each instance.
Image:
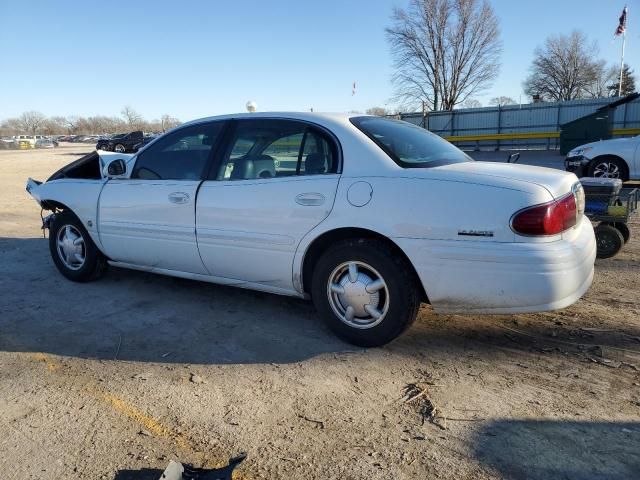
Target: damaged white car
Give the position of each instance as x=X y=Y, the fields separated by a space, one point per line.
x=367 y=216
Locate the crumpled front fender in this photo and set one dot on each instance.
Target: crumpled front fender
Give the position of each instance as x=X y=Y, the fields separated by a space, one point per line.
x=78 y=195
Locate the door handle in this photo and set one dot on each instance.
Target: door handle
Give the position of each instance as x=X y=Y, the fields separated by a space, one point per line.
x=310 y=199
x=179 y=197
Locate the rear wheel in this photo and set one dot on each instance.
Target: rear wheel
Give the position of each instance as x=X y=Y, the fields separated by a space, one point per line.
x=72 y=250
x=119 y=148
x=365 y=292
x=609 y=240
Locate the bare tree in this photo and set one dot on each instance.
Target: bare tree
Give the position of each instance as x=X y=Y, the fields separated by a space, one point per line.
x=10 y=126
x=502 y=100
x=471 y=103
x=379 y=111
x=54 y=125
x=563 y=68
x=133 y=118
x=34 y=122
x=167 y=122
x=444 y=51
x=71 y=124
x=31 y=122
x=603 y=77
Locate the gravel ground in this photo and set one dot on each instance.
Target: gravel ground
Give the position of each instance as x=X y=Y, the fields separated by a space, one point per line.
x=112 y=379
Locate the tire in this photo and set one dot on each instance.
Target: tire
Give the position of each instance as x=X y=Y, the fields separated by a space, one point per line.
x=608 y=166
x=79 y=261
x=392 y=304
x=119 y=148
x=609 y=240
x=623 y=228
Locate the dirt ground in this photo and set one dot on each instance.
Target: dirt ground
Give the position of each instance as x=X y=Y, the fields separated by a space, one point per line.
x=112 y=379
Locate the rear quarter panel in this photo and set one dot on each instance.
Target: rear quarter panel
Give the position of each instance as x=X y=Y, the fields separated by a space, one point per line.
x=429 y=209
x=432 y=209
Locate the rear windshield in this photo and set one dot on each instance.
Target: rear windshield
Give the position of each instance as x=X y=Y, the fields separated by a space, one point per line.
x=408 y=145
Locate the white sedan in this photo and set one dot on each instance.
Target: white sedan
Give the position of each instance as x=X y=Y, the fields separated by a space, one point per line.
x=615 y=158
x=367 y=216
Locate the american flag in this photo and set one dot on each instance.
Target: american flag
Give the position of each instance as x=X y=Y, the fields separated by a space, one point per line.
x=622 y=27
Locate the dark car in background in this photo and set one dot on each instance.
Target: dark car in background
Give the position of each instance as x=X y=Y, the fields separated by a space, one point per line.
x=121 y=143
x=146 y=139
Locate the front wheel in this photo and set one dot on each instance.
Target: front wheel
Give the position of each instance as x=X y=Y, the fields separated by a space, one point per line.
x=119 y=148
x=72 y=250
x=608 y=167
x=365 y=291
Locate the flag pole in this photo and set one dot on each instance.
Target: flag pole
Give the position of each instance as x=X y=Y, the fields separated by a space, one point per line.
x=624 y=37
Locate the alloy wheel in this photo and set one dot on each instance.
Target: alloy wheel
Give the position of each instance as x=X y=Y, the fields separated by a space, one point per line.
x=606 y=170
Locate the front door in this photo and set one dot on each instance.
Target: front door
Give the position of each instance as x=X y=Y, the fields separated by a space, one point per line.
x=148 y=219
x=275 y=182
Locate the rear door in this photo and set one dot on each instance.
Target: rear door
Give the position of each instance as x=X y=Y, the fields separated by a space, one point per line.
x=275 y=182
x=149 y=218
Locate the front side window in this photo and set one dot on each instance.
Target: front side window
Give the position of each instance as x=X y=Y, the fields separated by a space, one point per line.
x=269 y=148
x=408 y=145
x=180 y=155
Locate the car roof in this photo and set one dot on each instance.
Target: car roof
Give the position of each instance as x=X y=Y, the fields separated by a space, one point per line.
x=316 y=117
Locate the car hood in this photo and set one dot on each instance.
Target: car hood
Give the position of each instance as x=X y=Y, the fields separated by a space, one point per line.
x=606 y=142
x=508 y=175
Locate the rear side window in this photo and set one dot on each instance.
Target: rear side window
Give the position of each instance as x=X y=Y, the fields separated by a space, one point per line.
x=408 y=145
x=180 y=155
x=271 y=148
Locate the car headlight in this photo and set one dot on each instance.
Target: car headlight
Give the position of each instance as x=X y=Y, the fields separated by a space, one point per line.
x=576 y=152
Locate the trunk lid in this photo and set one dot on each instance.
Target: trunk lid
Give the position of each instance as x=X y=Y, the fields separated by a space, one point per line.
x=556 y=182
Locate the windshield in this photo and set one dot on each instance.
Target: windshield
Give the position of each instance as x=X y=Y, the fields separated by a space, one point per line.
x=408 y=145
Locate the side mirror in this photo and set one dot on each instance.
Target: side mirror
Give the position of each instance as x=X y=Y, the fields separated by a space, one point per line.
x=116 y=168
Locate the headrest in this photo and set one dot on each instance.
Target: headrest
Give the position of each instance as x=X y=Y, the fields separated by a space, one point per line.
x=262 y=166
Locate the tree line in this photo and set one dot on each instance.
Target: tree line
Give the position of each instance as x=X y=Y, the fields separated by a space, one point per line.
x=446 y=52
x=34 y=123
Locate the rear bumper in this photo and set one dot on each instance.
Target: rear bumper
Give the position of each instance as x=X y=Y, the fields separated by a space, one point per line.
x=492 y=278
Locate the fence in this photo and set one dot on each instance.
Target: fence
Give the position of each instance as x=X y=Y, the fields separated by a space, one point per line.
x=529 y=126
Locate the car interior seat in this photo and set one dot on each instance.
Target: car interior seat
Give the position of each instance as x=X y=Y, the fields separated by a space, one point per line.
x=315 y=164
x=262 y=166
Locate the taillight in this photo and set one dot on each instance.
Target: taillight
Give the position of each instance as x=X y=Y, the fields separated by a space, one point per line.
x=548 y=218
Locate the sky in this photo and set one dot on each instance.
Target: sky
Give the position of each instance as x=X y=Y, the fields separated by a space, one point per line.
x=192 y=59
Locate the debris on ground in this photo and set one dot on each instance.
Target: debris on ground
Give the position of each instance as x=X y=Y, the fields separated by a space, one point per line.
x=318 y=423
x=418 y=397
x=195 y=378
